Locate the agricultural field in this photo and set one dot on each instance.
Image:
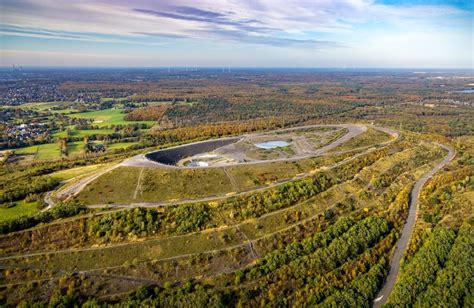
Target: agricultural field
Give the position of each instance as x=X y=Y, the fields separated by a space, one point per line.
x=107 y=117
x=82 y=133
x=41 y=151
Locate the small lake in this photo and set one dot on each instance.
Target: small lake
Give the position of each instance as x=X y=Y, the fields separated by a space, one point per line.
x=465 y=91
x=272 y=144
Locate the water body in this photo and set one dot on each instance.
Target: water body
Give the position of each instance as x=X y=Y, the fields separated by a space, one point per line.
x=466 y=91
x=272 y=144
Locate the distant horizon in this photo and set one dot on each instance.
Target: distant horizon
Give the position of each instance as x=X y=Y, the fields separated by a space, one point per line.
x=225 y=68
x=417 y=34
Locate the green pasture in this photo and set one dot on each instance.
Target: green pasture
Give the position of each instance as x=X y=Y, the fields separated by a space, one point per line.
x=107 y=117
x=83 y=132
x=41 y=151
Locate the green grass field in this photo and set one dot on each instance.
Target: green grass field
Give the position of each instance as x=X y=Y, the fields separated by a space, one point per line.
x=83 y=133
x=21 y=208
x=41 y=151
x=109 y=99
x=51 y=150
x=107 y=117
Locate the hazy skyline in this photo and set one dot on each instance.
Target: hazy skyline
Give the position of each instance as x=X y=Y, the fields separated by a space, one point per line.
x=271 y=33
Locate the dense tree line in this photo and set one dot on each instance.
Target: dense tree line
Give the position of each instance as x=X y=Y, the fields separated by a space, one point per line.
x=360 y=292
x=421 y=271
x=454 y=284
x=149 y=113
x=326 y=285
x=214 y=130
x=303 y=271
x=293 y=251
x=20 y=189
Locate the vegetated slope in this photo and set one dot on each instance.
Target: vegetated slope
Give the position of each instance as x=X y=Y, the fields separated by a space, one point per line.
x=438 y=266
x=341 y=222
x=124 y=185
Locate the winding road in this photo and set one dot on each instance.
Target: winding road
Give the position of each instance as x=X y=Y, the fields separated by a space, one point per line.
x=401 y=244
x=64 y=193
x=407 y=231
x=353 y=130
x=136 y=161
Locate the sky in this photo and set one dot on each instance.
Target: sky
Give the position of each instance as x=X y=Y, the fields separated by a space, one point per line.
x=238 y=33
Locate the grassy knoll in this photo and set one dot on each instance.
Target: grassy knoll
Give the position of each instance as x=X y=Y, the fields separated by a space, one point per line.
x=353 y=193
x=135 y=252
x=21 y=208
x=116 y=186
x=75 y=148
x=107 y=117
x=337 y=201
x=51 y=150
x=156 y=184
x=159 y=184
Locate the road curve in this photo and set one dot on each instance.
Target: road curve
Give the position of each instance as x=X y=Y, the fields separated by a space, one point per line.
x=353 y=131
x=218 y=197
x=72 y=190
x=395 y=135
x=407 y=231
x=140 y=161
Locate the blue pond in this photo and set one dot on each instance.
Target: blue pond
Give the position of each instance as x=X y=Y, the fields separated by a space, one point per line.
x=465 y=91
x=272 y=144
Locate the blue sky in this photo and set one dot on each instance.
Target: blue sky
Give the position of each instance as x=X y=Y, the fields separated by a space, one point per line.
x=249 y=33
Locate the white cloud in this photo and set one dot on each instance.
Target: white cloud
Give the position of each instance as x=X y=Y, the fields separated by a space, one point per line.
x=295 y=25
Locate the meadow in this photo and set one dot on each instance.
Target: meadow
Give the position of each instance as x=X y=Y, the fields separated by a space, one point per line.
x=107 y=117
x=82 y=132
x=21 y=208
